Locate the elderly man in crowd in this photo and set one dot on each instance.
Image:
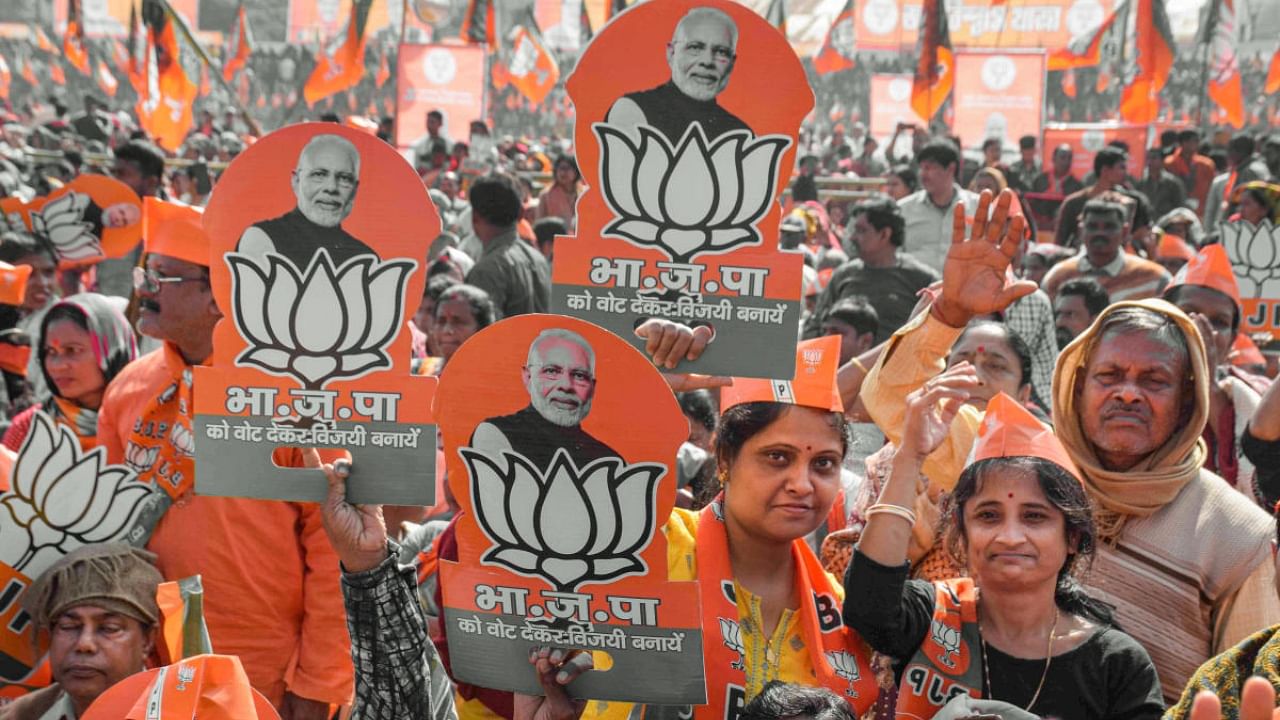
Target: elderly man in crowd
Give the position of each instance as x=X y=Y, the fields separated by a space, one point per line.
x=701 y=54
x=270 y=576
x=98 y=604
x=324 y=183
x=1104 y=228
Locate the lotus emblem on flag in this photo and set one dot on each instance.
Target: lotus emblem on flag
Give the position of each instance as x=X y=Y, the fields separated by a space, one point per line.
x=62 y=498
x=690 y=200
x=846 y=666
x=731 y=635
x=948 y=638
x=182 y=439
x=1254 y=251
x=140 y=458
x=319 y=325
x=570 y=526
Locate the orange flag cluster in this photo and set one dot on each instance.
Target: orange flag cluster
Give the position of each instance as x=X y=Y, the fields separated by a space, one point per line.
x=168 y=90
x=936 y=67
x=341 y=62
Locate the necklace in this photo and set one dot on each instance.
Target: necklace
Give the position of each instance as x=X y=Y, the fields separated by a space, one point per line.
x=1048 y=659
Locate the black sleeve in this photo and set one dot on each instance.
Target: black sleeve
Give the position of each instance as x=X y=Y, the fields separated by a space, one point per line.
x=1134 y=690
x=1265 y=456
x=890 y=612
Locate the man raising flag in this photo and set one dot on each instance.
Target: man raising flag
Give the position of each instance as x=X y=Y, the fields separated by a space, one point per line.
x=935 y=70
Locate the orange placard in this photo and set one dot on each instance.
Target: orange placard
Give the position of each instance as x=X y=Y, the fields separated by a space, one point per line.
x=560 y=540
x=891 y=104
x=684 y=162
x=16 y=215
x=318 y=237
x=1050 y=24
x=448 y=78
x=998 y=95
x=92 y=218
x=1086 y=139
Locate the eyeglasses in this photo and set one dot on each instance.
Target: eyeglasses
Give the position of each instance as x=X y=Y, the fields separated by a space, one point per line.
x=694 y=48
x=150 y=281
x=555 y=373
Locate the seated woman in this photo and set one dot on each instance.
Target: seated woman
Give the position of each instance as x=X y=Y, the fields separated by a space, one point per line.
x=1019 y=629
x=84 y=341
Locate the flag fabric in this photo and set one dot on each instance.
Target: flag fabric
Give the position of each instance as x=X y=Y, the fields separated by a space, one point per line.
x=935 y=69
x=585 y=33
x=42 y=39
x=532 y=68
x=106 y=80
x=27 y=72
x=837 y=50
x=776 y=14
x=6 y=77
x=1090 y=48
x=1069 y=83
x=73 y=47
x=478 y=24
x=137 y=49
x=171 y=74
x=341 y=64
x=1273 y=73
x=56 y=75
x=241 y=44
x=612 y=8
x=1148 y=68
x=384 y=70
x=1219 y=35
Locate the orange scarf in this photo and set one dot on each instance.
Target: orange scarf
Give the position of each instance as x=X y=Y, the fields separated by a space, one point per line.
x=82 y=421
x=841 y=660
x=161 y=447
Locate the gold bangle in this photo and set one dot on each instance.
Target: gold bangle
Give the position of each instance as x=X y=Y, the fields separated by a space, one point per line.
x=858 y=364
x=895 y=510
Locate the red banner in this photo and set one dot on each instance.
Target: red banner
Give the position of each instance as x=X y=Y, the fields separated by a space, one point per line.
x=1087 y=139
x=449 y=78
x=1049 y=24
x=998 y=95
x=891 y=104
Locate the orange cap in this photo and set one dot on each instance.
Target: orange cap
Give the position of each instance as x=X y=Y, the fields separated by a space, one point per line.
x=814 y=384
x=13 y=283
x=1244 y=352
x=1010 y=430
x=208 y=687
x=175 y=230
x=15 y=358
x=1172 y=246
x=1209 y=268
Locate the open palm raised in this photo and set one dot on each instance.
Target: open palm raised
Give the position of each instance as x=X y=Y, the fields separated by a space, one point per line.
x=975 y=279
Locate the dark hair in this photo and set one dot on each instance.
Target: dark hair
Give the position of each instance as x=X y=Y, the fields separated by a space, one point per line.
x=444 y=267
x=496 y=198
x=148 y=157
x=1241 y=146
x=1064 y=491
x=742 y=422
x=1027 y=142
x=436 y=114
x=1173 y=291
x=569 y=160
x=15 y=245
x=699 y=406
x=906 y=174
x=1188 y=134
x=882 y=212
x=858 y=313
x=992 y=141
x=546 y=229
x=778 y=700
x=1019 y=346
x=437 y=285
x=481 y=306
x=940 y=151
x=1107 y=157
x=330 y=117
x=1095 y=296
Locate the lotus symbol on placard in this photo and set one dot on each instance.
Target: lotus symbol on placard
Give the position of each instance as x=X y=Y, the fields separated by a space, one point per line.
x=320 y=325
x=1254 y=251
x=948 y=638
x=62 y=221
x=62 y=498
x=569 y=526
x=698 y=198
x=846 y=666
x=731 y=636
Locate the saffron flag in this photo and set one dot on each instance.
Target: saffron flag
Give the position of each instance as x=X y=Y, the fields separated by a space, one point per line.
x=341 y=64
x=1273 y=73
x=42 y=39
x=1094 y=46
x=106 y=80
x=384 y=70
x=1148 y=69
x=837 y=50
x=1220 y=36
x=532 y=68
x=776 y=14
x=1069 y=83
x=56 y=75
x=5 y=77
x=172 y=76
x=935 y=69
x=73 y=47
x=478 y=25
x=138 y=49
x=241 y=44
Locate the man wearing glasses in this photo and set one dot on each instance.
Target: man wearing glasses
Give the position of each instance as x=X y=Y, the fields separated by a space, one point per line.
x=324 y=183
x=560 y=375
x=701 y=55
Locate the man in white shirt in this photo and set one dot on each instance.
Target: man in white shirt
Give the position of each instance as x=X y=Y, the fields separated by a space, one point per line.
x=928 y=211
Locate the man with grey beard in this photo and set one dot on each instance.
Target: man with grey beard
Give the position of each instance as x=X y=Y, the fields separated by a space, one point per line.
x=324 y=183
x=560 y=375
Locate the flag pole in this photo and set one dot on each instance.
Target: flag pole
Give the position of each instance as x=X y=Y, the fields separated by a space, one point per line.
x=395 y=81
x=1213 y=9
x=173 y=17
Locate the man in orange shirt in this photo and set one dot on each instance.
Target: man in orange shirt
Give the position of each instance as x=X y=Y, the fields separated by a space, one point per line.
x=271 y=579
x=1194 y=170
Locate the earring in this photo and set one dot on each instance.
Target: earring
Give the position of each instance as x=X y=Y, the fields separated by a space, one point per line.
x=722 y=477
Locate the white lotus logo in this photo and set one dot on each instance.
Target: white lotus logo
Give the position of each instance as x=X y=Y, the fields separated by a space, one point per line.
x=1254 y=251
x=731 y=636
x=948 y=638
x=181 y=439
x=140 y=458
x=691 y=200
x=570 y=526
x=62 y=221
x=846 y=667
x=320 y=325
x=62 y=498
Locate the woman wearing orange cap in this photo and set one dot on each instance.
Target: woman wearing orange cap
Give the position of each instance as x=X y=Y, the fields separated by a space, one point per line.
x=1021 y=634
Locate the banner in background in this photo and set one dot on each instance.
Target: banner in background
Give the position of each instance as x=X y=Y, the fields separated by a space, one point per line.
x=893 y=24
x=449 y=78
x=998 y=95
x=891 y=104
x=1087 y=139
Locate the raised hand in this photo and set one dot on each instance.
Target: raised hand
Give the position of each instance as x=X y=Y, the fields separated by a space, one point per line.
x=357 y=532
x=932 y=408
x=975 y=278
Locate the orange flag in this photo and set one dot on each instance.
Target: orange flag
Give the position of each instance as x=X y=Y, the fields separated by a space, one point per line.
x=73 y=47
x=1224 y=74
x=533 y=68
x=1273 y=73
x=164 y=109
x=837 y=50
x=5 y=77
x=1089 y=48
x=56 y=75
x=42 y=39
x=241 y=44
x=1069 y=83
x=935 y=69
x=1140 y=99
x=106 y=80
x=479 y=24
x=27 y=72
x=341 y=64
x=384 y=71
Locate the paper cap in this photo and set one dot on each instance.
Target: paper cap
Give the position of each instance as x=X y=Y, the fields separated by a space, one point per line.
x=1172 y=246
x=13 y=283
x=1209 y=268
x=208 y=687
x=175 y=230
x=814 y=384
x=1244 y=352
x=1010 y=430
